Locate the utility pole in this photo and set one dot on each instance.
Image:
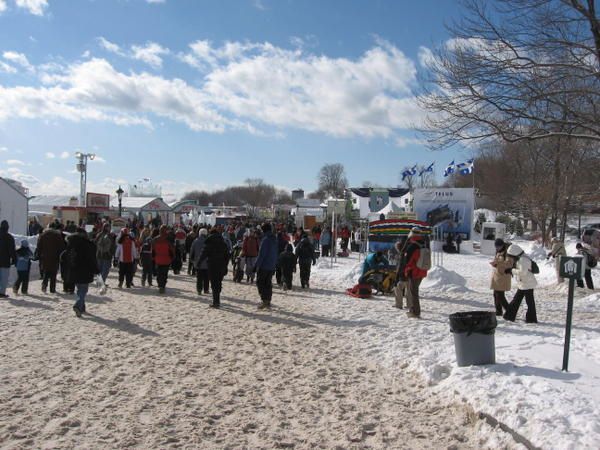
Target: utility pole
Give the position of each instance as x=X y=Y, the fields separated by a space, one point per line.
x=82 y=169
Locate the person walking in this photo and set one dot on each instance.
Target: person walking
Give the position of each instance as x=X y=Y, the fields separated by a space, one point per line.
x=501 y=280
x=557 y=250
x=8 y=256
x=325 y=241
x=522 y=269
x=265 y=266
x=249 y=254
x=282 y=242
x=126 y=254
x=306 y=257
x=163 y=252
x=216 y=254
x=50 y=245
x=201 y=267
x=417 y=260
x=189 y=241
x=401 y=281
x=287 y=265
x=82 y=266
x=23 y=265
x=589 y=261
x=105 y=251
x=146 y=261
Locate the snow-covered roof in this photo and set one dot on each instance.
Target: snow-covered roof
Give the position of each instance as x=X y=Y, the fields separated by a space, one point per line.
x=51 y=200
x=308 y=203
x=157 y=203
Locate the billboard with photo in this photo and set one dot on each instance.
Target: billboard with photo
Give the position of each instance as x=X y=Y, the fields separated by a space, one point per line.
x=451 y=209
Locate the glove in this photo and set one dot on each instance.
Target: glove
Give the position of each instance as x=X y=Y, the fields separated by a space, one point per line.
x=508 y=271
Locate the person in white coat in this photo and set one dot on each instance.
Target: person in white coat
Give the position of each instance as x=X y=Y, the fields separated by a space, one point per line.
x=526 y=283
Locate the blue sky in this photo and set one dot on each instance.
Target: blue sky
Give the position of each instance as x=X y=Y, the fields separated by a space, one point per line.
x=204 y=94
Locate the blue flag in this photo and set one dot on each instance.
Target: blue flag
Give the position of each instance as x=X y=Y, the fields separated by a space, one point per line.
x=466 y=168
x=428 y=169
x=409 y=172
x=449 y=169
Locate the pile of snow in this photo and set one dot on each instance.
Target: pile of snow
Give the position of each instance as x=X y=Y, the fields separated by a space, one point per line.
x=444 y=280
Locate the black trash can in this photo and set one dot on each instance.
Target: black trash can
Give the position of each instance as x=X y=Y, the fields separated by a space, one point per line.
x=474 y=337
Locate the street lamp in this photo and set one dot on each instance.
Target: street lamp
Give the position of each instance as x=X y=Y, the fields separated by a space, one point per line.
x=120 y=197
x=82 y=169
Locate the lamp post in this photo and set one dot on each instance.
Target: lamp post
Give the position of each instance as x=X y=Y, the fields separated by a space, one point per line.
x=82 y=169
x=120 y=197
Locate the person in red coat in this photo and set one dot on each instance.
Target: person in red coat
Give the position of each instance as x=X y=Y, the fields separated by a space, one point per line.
x=163 y=252
x=412 y=273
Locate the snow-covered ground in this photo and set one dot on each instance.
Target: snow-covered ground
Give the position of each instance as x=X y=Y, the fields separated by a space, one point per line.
x=321 y=370
x=526 y=389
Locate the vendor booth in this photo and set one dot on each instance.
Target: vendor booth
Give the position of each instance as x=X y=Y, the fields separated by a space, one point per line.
x=490 y=231
x=383 y=234
x=144 y=208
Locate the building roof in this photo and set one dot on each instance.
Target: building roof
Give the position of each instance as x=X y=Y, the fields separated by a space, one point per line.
x=154 y=203
x=15 y=185
x=308 y=203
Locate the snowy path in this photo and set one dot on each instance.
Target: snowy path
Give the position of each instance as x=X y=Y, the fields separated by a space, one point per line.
x=151 y=372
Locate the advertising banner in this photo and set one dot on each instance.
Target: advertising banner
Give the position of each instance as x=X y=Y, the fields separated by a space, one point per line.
x=451 y=209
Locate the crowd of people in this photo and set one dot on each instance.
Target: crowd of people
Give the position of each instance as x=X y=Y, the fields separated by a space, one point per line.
x=257 y=252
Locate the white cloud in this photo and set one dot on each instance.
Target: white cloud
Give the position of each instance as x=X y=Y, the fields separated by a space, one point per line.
x=98 y=159
x=155 y=1
x=3 y=149
x=35 y=7
x=150 y=54
x=7 y=68
x=18 y=58
x=2 y=6
x=258 y=4
x=50 y=155
x=14 y=162
x=110 y=46
x=64 y=155
x=256 y=87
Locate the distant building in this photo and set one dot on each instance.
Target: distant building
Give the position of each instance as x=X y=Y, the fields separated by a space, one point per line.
x=13 y=205
x=297 y=194
x=308 y=208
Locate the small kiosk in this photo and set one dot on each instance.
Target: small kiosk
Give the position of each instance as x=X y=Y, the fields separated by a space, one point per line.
x=490 y=231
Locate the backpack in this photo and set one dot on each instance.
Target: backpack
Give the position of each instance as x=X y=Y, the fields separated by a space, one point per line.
x=424 y=261
x=535 y=269
x=104 y=245
x=591 y=261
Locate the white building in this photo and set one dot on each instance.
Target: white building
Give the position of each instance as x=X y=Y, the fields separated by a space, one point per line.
x=13 y=205
x=307 y=207
x=146 y=208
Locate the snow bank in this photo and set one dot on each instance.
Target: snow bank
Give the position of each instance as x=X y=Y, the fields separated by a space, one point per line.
x=526 y=390
x=444 y=280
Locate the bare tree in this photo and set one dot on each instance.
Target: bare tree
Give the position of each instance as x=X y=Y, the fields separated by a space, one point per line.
x=515 y=70
x=421 y=178
x=332 y=180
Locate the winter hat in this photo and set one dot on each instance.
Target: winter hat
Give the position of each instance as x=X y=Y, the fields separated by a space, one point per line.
x=203 y=232
x=289 y=248
x=415 y=232
x=498 y=242
x=4 y=225
x=514 y=250
x=266 y=227
x=25 y=243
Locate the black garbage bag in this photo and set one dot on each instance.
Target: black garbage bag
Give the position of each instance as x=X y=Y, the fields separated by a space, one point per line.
x=483 y=322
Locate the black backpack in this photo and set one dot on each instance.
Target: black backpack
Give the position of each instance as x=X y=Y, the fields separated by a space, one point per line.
x=591 y=261
x=535 y=269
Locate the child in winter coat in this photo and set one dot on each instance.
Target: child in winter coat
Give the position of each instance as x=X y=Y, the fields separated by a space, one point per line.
x=146 y=261
x=24 y=257
x=287 y=263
